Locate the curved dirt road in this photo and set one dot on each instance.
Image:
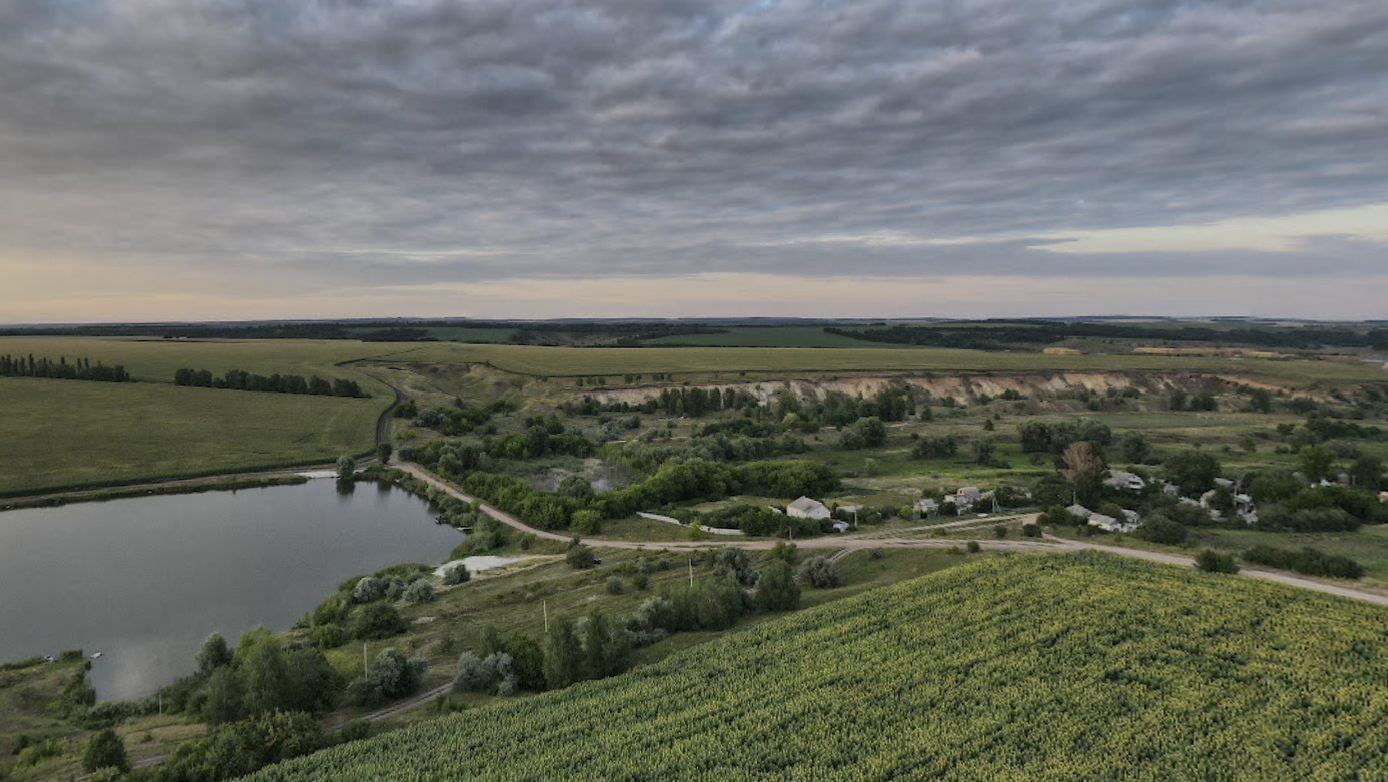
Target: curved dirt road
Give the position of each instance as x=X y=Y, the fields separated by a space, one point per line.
x=854 y=541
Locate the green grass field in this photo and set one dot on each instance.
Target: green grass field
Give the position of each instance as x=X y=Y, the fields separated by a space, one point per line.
x=69 y=433
x=1019 y=668
x=767 y=337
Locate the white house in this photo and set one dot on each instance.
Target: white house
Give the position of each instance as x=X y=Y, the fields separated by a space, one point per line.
x=1126 y=481
x=806 y=508
x=927 y=506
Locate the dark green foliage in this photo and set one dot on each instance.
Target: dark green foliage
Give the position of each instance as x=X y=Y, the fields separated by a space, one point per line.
x=819 y=572
x=1160 y=529
x=214 y=654
x=274 y=384
x=580 y=557
x=564 y=658
x=240 y=748
x=776 y=589
x=390 y=676
x=737 y=563
x=786 y=552
x=18 y=366
x=935 y=447
x=105 y=750
x=1211 y=561
x=456 y=573
x=379 y=620
x=1193 y=471
x=973 y=547
x=1308 y=561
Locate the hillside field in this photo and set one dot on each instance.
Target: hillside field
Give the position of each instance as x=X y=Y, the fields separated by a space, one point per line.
x=1016 y=668
x=70 y=433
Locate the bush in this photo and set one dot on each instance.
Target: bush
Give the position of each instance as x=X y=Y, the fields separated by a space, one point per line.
x=379 y=620
x=615 y=585
x=328 y=636
x=354 y=730
x=1308 y=561
x=641 y=581
x=586 y=522
x=819 y=572
x=737 y=562
x=472 y=675
x=456 y=573
x=105 y=750
x=973 y=547
x=369 y=589
x=390 y=676
x=786 y=552
x=580 y=557
x=1211 y=561
x=420 y=591
x=1159 y=529
x=1031 y=530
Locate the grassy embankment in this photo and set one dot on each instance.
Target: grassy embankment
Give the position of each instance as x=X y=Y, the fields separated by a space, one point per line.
x=1076 y=667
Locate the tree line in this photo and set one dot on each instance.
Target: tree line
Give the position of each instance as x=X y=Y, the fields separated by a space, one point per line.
x=20 y=366
x=241 y=380
x=999 y=335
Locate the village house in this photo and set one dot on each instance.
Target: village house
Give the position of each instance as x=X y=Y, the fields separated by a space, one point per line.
x=806 y=508
x=966 y=497
x=1125 y=481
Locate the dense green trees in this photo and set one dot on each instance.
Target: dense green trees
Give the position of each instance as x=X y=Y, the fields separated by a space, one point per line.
x=18 y=366
x=241 y=380
x=1194 y=471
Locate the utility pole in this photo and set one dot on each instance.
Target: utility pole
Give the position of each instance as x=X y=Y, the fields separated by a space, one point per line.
x=691 y=572
x=545 y=605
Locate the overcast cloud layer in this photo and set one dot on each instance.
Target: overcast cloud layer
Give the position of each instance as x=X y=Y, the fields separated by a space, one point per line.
x=165 y=158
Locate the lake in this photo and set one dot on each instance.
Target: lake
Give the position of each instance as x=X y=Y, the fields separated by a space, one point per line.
x=144 y=581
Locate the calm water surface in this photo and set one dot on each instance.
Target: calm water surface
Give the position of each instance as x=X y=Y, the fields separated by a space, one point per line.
x=145 y=580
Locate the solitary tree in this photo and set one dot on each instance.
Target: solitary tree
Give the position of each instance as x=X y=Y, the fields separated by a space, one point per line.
x=213 y=654
x=777 y=590
x=346 y=465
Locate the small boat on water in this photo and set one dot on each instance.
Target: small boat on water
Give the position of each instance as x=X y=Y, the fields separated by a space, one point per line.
x=96 y=656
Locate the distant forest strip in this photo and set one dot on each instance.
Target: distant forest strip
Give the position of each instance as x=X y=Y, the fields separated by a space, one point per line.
x=998 y=335
x=627 y=333
x=240 y=380
x=19 y=366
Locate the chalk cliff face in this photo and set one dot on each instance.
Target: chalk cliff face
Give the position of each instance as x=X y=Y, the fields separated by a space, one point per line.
x=964 y=388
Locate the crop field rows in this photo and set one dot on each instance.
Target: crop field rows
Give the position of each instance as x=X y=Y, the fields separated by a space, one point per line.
x=1036 y=668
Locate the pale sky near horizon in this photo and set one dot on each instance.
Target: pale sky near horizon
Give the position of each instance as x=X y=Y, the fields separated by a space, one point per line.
x=245 y=159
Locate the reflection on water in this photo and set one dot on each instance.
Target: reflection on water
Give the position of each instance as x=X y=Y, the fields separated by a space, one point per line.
x=145 y=580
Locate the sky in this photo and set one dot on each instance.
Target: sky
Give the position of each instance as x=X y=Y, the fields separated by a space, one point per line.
x=229 y=160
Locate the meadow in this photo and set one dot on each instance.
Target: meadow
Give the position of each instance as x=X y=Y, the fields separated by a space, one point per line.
x=1021 y=667
x=63 y=434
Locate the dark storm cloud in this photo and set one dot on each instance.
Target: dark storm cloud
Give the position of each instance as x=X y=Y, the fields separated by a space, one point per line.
x=570 y=139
